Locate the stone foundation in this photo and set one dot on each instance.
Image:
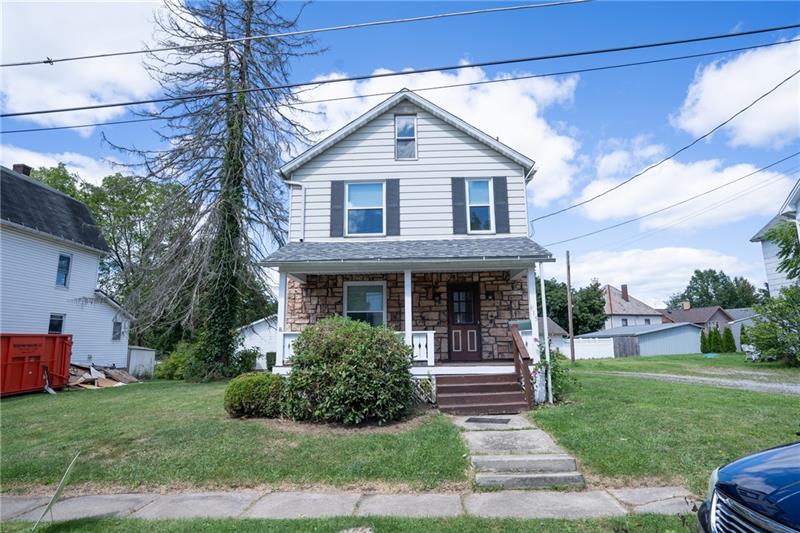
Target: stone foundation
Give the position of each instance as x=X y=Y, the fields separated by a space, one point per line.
x=323 y=295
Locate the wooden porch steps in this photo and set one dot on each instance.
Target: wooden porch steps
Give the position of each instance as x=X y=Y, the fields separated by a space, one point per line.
x=480 y=394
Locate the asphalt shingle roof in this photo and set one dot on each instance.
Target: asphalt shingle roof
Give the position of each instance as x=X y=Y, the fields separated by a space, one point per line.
x=635 y=331
x=477 y=248
x=26 y=202
x=695 y=315
x=741 y=312
x=617 y=305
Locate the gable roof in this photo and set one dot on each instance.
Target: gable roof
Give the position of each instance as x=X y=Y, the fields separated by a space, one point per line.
x=695 y=315
x=410 y=96
x=636 y=331
x=30 y=204
x=617 y=305
x=741 y=312
x=553 y=329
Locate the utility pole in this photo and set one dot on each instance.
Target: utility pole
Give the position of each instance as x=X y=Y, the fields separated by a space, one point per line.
x=569 y=313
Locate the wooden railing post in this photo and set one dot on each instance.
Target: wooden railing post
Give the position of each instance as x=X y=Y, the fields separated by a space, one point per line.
x=521 y=359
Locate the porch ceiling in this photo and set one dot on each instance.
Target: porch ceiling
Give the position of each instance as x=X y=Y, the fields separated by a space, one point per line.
x=496 y=253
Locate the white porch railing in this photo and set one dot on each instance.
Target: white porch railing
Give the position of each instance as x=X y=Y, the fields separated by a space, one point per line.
x=531 y=345
x=421 y=341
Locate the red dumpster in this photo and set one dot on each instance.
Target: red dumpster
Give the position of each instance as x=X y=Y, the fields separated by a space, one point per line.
x=28 y=361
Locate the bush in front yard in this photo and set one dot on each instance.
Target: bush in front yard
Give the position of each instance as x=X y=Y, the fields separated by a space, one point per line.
x=256 y=394
x=728 y=342
x=561 y=378
x=173 y=367
x=349 y=372
x=776 y=331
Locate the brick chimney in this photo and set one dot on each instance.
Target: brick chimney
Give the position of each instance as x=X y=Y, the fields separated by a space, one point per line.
x=625 y=293
x=686 y=305
x=22 y=168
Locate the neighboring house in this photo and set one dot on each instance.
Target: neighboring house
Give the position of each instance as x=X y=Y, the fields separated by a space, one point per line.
x=412 y=218
x=790 y=211
x=656 y=339
x=707 y=318
x=743 y=316
x=50 y=249
x=261 y=335
x=622 y=309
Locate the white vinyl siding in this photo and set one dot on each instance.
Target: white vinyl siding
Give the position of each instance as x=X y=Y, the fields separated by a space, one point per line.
x=426 y=210
x=29 y=296
x=776 y=280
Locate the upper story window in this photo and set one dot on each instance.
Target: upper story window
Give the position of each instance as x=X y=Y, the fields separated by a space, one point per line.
x=366 y=208
x=116 y=331
x=646 y=321
x=56 y=324
x=624 y=321
x=405 y=136
x=62 y=274
x=480 y=205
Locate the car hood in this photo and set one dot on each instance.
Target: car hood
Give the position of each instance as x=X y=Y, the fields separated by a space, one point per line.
x=767 y=482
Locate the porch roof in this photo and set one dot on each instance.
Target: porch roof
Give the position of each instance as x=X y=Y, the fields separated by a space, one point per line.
x=510 y=251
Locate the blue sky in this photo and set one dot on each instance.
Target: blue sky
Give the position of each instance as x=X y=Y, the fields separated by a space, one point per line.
x=586 y=132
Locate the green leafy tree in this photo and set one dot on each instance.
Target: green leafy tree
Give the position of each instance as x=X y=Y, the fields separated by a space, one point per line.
x=712 y=287
x=728 y=342
x=744 y=338
x=589 y=308
x=776 y=331
x=61 y=179
x=556 y=301
x=704 y=342
x=785 y=236
x=714 y=340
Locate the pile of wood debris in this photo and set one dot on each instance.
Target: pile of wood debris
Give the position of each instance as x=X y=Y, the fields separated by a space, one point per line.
x=92 y=377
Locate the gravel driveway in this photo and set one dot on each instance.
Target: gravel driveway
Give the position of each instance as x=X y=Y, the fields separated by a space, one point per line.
x=758 y=386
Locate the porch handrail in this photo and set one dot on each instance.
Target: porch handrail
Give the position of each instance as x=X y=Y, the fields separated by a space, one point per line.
x=521 y=366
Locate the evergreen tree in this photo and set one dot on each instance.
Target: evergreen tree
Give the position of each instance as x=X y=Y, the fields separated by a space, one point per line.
x=728 y=342
x=704 y=342
x=715 y=341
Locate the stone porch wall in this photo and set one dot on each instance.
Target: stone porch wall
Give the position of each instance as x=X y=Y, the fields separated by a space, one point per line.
x=322 y=295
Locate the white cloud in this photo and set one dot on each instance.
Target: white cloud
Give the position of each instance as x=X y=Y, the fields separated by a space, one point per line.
x=653 y=275
x=510 y=110
x=38 y=30
x=723 y=87
x=674 y=181
x=88 y=168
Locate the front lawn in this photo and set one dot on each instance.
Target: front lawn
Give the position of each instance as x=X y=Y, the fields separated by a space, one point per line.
x=177 y=434
x=676 y=524
x=636 y=430
x=727 y=365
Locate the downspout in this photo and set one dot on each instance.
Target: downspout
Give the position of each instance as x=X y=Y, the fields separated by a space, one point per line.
x=527 y=179
x=291 y=183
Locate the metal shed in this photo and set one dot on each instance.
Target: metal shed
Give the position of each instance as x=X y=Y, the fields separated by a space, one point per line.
x=657 y=339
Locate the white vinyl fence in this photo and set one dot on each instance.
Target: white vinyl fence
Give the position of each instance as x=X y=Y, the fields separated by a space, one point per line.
x=585 y=348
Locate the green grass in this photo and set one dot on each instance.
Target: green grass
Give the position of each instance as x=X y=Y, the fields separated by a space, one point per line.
x=728 y=365
x=654 y=523
x=175 y=433
x=631 y=429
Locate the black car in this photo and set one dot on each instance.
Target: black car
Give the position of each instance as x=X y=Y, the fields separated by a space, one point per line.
x=760 y=492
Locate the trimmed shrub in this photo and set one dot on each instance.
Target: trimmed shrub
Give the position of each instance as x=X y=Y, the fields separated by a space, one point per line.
x=714 y=341
x=173 y=367
x=349 y=372
x=244 y=360
x=728 y=342
x=254 y=394
x=270 y=360
x=703 y=342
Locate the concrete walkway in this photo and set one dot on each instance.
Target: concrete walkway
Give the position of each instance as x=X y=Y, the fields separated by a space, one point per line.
x=253 y=504
x=757 y=386
x=510 y=452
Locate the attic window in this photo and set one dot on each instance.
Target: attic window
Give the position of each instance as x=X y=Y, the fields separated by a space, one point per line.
x=405 y=136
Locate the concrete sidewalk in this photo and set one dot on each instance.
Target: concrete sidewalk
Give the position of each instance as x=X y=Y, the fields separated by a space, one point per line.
x=253 y=504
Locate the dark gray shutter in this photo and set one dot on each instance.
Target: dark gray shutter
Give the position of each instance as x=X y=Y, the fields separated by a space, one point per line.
x=393 y=207
x=501 y=205
x=337 y=209
x=459 y=206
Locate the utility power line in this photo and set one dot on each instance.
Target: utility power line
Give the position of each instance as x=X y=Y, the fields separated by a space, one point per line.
x=671 y=156
x=439 y=87
x=51 y=61
x=676 y=204
x=407 y=72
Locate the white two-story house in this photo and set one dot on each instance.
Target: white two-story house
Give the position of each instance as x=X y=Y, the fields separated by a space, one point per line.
x=50 y=250
x=411 y=218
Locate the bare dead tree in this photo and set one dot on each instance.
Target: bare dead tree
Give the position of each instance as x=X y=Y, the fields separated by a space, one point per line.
x=224 y=152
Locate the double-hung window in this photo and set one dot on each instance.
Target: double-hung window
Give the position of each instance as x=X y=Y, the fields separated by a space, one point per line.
x=365 y=301
x=56 y=323
x=480 y=205
x=366 y=208
x=116 y=331
x=405 y=136
x=62 y=273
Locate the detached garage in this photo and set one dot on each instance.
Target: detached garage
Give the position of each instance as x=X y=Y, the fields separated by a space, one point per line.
x=657 y=339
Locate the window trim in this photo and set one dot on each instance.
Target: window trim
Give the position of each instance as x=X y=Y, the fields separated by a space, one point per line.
x=415 y=137
x=63 y=323
x=347 y=208
x=348 y=284
x=69 y=270
x=113 y=325
x=624 y=322
x=491 y=230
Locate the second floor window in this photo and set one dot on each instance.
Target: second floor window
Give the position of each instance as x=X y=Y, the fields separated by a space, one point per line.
x=365 y=208
x=624 y=321
x=405 y=136
x=62 y=274
x=647 y=321
x=479 y=206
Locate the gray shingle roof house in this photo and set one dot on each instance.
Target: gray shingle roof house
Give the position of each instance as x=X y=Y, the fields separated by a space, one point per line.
x=412 y=218
x=705 y=317
x=622 y=309
x=656 y=339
